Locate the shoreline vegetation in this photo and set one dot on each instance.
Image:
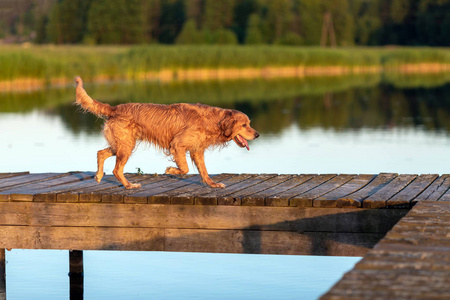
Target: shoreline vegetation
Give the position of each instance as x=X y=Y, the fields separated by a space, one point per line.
x=30 y=67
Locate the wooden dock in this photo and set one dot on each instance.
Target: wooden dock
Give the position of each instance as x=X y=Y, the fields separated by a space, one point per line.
x=411 y=262
x=305 y=214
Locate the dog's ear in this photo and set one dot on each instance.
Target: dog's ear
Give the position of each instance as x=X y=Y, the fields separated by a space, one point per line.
x=227 y=123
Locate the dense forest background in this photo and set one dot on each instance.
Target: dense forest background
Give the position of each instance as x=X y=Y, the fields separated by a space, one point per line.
x=286 y=22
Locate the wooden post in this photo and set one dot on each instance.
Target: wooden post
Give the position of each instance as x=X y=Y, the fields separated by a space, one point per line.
x=2 y=274
x=76 y=274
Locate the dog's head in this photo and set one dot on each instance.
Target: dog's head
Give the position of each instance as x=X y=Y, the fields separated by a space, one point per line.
x=235 y=126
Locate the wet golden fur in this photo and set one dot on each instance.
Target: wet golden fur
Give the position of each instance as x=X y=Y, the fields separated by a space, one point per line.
x=176 y=128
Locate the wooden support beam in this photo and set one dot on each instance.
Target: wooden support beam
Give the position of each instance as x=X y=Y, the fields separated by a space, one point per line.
x=76 y=274
x=2 y=274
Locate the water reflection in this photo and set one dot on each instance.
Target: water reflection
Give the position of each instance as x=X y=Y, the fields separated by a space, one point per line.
x=273 y=106
x=42 y=274
x=314 y=125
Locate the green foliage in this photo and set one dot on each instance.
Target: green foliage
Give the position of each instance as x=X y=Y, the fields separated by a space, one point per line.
x=290 y=38
x=190 y=34
x=120 y=62
x=354 y=22
x=254 y=35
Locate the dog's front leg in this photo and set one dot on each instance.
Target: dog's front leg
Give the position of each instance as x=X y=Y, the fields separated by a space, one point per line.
x=199 y=160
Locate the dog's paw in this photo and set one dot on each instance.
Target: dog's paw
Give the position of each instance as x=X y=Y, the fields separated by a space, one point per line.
x=173 y=171
x=217 y=185
x=98 y=177
x=132 y=186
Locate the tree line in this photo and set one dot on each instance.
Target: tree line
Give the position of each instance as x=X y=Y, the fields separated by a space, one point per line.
x=285 y=22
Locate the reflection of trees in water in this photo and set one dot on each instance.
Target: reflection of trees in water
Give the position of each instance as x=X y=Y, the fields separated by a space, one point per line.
x=329 y=103
x=377 y=108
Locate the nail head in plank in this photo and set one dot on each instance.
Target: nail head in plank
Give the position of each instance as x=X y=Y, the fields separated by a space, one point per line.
x=380 y=198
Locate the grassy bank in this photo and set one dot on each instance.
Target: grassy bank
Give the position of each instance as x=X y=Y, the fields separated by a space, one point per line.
x=51 y=65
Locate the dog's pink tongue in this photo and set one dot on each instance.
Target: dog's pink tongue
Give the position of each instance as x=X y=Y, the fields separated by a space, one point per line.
x=244 y=141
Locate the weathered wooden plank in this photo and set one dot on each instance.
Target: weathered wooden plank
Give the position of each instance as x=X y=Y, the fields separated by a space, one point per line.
x=264 y=181
x=173 y=183
x=47 y=190
x=21 y=182
x=445 y=196
x=8 y=175
x=92 y=191
x=117 y=194
x=337 y=197
x=355 y=199
x=435 y=190
x=71 y=193
x=405 y=196
x=198 y=198
x=411 y=262
x=305 y=183
x=323 y=189
x=380 y=198
x=386 y=284
x=26 y=192
x=189 y=197
x=187 y=240
x=264 y=195
x=216 y=195
x=86 y=238
x=199 y=217
x=5 y=183
x=192 y=189
x=255 y=195
x=269 y=242
x=306 y=187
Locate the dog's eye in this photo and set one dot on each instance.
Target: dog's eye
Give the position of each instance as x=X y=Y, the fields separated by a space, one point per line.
x=244 y=125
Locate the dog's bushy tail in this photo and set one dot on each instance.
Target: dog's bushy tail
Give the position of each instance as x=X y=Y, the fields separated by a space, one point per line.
x=88 y=104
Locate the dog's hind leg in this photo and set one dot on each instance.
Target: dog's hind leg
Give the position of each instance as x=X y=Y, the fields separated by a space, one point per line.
x=102 y=155
x=121 y=159
x=199 y=159
x=179 y=156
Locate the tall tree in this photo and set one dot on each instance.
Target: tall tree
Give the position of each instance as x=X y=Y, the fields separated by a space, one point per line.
x=243 y=10
x=151 y=10
x=218 y=14
x=190 y=34
x=310 y=21
x=173 y=16
x=116 y=21
x=254 y=35
x=68 y=21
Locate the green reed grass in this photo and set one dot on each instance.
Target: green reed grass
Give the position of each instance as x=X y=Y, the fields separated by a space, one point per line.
x=125 y=62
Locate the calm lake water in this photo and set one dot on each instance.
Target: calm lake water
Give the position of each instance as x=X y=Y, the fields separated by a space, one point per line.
x=332 y=125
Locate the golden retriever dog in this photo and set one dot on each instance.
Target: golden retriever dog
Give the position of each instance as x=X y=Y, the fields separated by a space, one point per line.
x=175 y=128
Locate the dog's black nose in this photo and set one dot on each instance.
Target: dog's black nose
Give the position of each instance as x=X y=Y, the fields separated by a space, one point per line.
x=256 y=135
